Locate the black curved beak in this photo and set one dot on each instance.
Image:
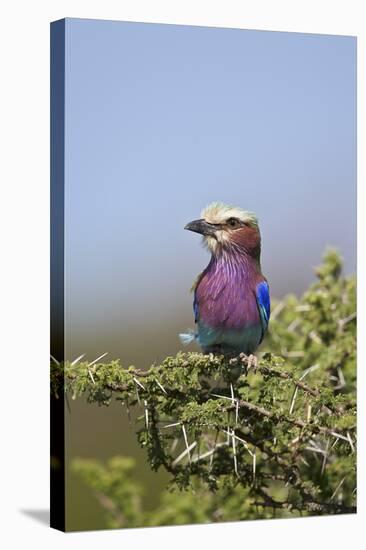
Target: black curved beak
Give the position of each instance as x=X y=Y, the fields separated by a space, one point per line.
x=202 y=227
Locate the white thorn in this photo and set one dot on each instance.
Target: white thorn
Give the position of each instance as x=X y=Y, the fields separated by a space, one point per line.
x=67 y=402
x=232 y=393
x=128 y=411
x=91 y=376
x=208 y=453
x=97 y=359
x=303 y=307
x=342 y=381
x=77 y=359
x=346 y=320
x=293 y=400
x=308 y=370
x=139 y=383
x=316 y=450
x=244 y=443
x=308 y=414
x=160 y=386
x=234 y=453
x=184 y=453
x=313 y=335
x=171 y=425
x=138 y=396
x=186 y=442
x=294 y=354
x=174 y=444
x=214 y=448
x=233 y=434
x=294 y=324
x=335 y=434
x=221 y=396
x=325 y=457
x=277 y=310
x=350 y=442
x=337 y=489
x=146 y=414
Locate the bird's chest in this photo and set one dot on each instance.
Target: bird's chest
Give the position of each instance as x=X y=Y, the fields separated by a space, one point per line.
x=226 y=298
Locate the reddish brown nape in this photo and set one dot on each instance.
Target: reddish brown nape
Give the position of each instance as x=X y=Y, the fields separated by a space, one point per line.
x=249 y=239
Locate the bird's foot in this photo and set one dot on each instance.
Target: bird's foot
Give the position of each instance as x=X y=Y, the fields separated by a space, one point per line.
x=250 y=360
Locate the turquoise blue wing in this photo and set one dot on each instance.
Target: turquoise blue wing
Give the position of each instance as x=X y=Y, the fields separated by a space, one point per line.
x=264 y=304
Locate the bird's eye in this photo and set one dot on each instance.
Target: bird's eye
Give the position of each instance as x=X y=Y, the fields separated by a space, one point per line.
x=233 y=222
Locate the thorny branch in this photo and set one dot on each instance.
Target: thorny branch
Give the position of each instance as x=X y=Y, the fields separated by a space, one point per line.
x=197 y=411
x=217 y=421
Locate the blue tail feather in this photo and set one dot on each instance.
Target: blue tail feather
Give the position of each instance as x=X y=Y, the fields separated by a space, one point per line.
x=188 y=337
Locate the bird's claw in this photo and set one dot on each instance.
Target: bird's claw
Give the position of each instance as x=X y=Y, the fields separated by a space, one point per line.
x=250 y=360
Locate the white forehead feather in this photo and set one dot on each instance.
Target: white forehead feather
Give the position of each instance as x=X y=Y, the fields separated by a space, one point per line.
x=218 y=212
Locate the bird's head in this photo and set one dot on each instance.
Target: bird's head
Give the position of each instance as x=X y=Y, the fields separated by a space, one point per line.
x=228 y=229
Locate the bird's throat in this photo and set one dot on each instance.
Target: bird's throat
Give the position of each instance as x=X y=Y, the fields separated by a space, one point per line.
x=236 y=260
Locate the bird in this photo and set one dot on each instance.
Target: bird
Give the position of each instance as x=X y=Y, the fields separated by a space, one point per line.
x=231 y=296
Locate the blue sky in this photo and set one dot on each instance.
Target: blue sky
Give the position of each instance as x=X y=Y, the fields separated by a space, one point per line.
x=163 y=119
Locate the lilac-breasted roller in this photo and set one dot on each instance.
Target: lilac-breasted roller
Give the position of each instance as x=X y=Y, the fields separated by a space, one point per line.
x=231 y=296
